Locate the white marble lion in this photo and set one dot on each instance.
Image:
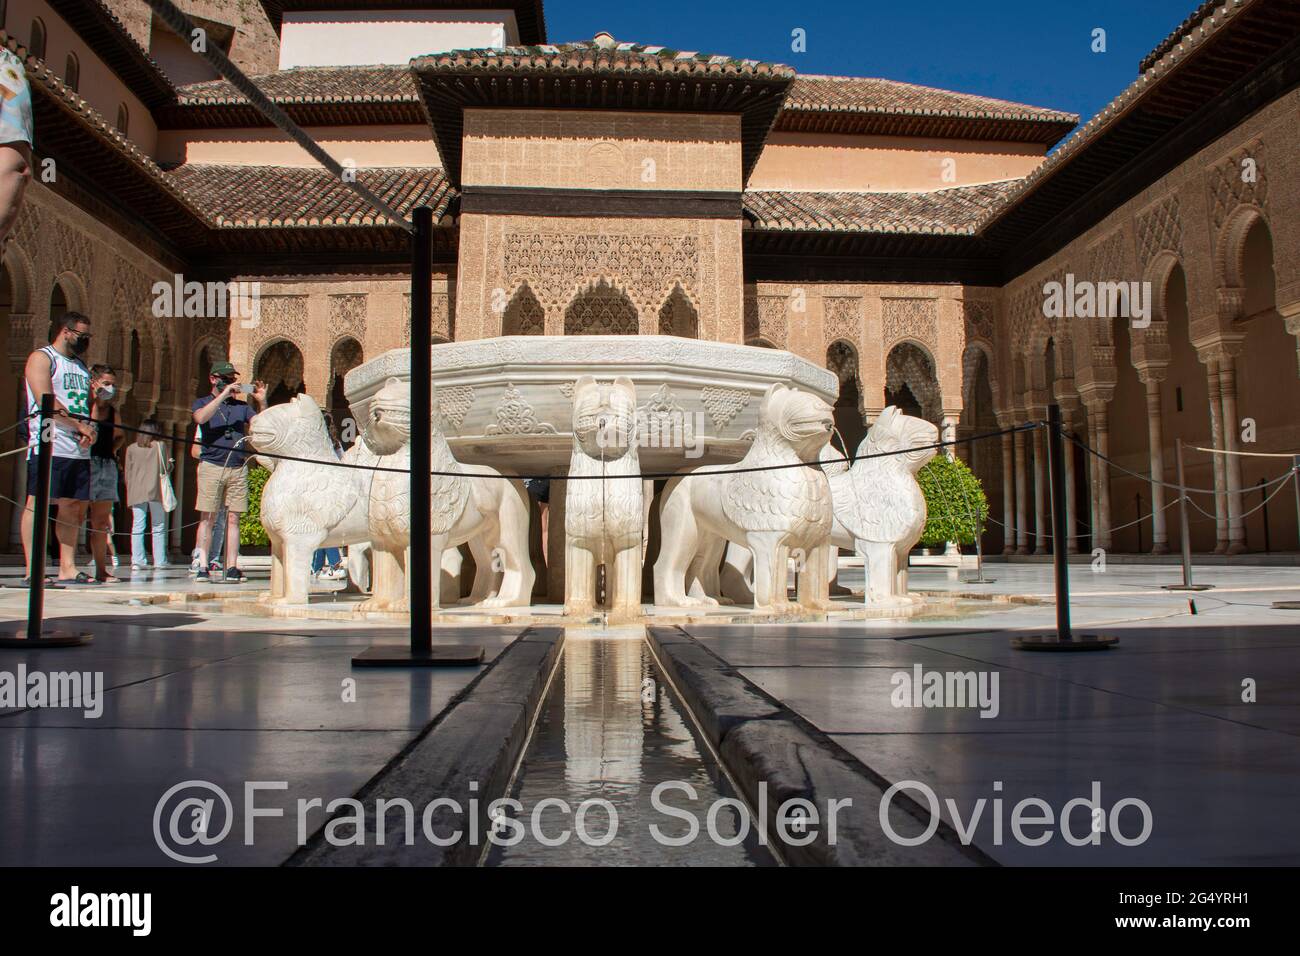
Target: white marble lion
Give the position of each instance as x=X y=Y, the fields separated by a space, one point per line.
x=474 y=505
x=604 y=515
x=773 y=513
x=879 y=507
x=305 y=506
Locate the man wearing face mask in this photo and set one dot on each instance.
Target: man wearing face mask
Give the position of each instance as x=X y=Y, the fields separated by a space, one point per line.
x=223 y=469
x=58 y=369
x=103 y=467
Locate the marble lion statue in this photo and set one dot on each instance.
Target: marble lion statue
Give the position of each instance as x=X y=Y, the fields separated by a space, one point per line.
x=879 y=508
x=478 y=506
x=773 y=513
x=305 y=505
x=604 y=519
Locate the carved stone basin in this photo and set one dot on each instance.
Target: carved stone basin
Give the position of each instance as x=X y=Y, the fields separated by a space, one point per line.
x=507 y=402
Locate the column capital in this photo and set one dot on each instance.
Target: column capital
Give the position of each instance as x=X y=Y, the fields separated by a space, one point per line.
x=1230 y=301
x=1220 y=349
x=1152 y=373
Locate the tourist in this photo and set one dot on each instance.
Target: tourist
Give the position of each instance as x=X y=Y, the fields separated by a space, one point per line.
x=57 y=368
x=103 y=468
x=223 y=463
x=540 y=488
x=146 y=470
x=15 y=140
x=214 y=564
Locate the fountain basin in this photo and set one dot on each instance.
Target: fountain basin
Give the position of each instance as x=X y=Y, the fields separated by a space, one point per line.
x=507 y=402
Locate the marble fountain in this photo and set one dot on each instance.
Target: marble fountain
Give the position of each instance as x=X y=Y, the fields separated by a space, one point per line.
x=618 y=423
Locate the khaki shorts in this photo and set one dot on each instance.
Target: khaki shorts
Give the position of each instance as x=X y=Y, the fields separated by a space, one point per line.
x=222 y=488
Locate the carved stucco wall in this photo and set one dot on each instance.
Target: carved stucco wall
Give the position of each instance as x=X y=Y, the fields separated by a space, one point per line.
x=646 y=260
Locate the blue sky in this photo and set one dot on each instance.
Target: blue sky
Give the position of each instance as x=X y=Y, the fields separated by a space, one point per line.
x=1031 y=52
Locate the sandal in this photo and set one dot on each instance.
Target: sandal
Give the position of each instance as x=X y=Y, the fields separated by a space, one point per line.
x=27 y=582
x=82 y=579
x=108 y=579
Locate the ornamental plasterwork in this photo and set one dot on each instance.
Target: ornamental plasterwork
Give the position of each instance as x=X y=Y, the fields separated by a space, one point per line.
x=347 y=316
x=1237 y=179
x=842 y=318
x=910 y=319
x=1106 y=259
x=439 y=317
x=723 y=404
x=282 y=317
x=71 y=250
x=1159 y=229
x=556 y=265
x=516 y=417
x=454 y=403
x=766 y=318
x=978 y=315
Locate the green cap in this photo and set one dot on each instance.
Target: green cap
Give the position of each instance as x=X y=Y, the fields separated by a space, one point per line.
x=223 y=368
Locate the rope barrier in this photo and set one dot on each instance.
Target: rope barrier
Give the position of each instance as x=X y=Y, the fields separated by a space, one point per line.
x=1175 y=487
x=1247 y=454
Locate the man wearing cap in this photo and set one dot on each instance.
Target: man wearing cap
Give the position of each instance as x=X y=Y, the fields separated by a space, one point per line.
x=223 y=469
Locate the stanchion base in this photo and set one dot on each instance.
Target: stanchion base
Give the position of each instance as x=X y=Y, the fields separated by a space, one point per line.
x=1286 y=605
x=1187 y=587
x=1054 y=642
x=19 y=586
x=401 y=655
x=980 y=581
x=19 y=638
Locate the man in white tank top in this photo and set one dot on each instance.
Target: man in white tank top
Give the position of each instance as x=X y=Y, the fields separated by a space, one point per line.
x=58 y=368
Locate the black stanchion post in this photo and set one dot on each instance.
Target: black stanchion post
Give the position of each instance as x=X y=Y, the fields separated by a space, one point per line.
x=34 y=635
x=1064 y=639
x=1188 y=584
x=419 y=571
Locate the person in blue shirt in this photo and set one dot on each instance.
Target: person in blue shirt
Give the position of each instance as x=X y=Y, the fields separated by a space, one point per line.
x=223 y=461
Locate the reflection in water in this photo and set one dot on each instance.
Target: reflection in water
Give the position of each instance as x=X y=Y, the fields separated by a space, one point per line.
x=611 y=729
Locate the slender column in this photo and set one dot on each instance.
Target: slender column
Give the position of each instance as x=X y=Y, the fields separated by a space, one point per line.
x=1220 y=477
x=948 y=432
x=1040 y=494
x=180 y=452
x=1094 y=479
x=1071 y=524
x=1008 y=497
x=1022 y=529
x=1103 y=478
x=1232 y=464
x=19 y=495
x=1156 y=444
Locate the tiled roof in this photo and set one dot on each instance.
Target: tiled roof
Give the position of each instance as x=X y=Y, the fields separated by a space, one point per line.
x=594 y=56
x=954 y=211
x=278 y=196
x=314 y=84
x=1180 y=32
x=856 y=94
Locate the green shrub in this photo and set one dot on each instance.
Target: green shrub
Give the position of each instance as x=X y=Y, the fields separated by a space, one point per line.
x=954 y=500
x=250 y=522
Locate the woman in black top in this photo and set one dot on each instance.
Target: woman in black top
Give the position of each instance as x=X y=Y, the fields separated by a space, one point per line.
x=103 y=468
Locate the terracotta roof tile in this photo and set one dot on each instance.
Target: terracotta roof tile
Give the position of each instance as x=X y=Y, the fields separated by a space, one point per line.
x=856 y=94
x=1183 y=29
x=955 y=211
x=592 y=57
x=313 y=84
x=278 y=196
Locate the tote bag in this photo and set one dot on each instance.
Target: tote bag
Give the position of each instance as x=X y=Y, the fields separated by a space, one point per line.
x=165 y=482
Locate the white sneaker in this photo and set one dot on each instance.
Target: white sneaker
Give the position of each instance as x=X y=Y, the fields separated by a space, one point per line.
x=196 y=561
x=139 y=567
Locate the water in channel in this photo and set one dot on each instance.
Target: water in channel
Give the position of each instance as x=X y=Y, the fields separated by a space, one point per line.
x=612 y=729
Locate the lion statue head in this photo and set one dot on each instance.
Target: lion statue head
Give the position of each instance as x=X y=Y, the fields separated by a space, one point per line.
x=604 y=417
x=795 y=418
x=388 y=426
x=895 y=432
x=296 y=428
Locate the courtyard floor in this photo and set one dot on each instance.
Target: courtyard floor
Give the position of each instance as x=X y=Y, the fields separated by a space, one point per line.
x=193 y=692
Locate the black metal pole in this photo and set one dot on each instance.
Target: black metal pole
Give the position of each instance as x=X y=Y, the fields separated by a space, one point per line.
x=40 y=518
x=1137 y=506
x=1064 y=639
x=1056 y=481
x=420 y=573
